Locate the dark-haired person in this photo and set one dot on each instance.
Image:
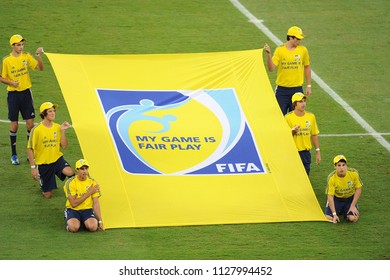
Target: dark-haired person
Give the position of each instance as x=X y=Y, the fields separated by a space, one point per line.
x=344 y=188
x=44 y=150
x=82 y=200
x=293 y=63
x=304 y=130
x=14 y=73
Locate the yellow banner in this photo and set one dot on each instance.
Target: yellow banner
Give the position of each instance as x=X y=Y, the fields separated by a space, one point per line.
x=185 y=139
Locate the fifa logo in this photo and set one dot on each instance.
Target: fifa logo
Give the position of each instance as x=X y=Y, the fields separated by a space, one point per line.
x=180 y=132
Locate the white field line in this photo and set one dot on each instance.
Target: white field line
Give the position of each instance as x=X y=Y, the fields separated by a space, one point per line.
x=7 y=121
x=370 y=130
x=352 y=134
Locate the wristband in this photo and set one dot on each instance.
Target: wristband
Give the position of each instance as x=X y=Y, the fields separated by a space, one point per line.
x=334 y=214
x=100 y=222
x=317 y=149
x=308 y=85
x=32 y=166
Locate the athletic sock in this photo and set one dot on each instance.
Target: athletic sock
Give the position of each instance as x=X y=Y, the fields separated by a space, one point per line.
x=12 y=136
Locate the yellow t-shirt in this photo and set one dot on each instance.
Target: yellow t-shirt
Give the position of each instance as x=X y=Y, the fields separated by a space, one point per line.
x=16 y=69
x=74 y=187
x=290 y=65
x=46 y=143
x=308 y=128
x=343 y=187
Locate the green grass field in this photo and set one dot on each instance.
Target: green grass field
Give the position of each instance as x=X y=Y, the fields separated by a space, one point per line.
x=347 y=42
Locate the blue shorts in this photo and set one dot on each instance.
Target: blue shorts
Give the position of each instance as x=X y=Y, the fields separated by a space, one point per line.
x=81 y=215
x=283 y=96
x=20 y=101
x=342 y=206
x=306 y=160
x=48 y=172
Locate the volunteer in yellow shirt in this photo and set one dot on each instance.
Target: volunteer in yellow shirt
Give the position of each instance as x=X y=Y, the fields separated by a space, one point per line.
x=82 y=200
x=14 y=72
x=44 y=150
x=304 y=129
x=343 y=189
x=293 y=65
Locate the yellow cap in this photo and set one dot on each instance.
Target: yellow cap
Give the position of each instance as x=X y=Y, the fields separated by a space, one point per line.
x=16 y=39
x=296 y=32
x=298 y=96
x=81 y=162
x=47 y=105
x=338 y=158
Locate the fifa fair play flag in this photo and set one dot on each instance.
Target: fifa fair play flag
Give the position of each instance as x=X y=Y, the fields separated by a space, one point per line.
x=185 y=139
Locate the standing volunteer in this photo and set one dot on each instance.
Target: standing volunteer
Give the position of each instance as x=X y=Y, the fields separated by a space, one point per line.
x=304 y=129
x=293 y=63
x=15 y=74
